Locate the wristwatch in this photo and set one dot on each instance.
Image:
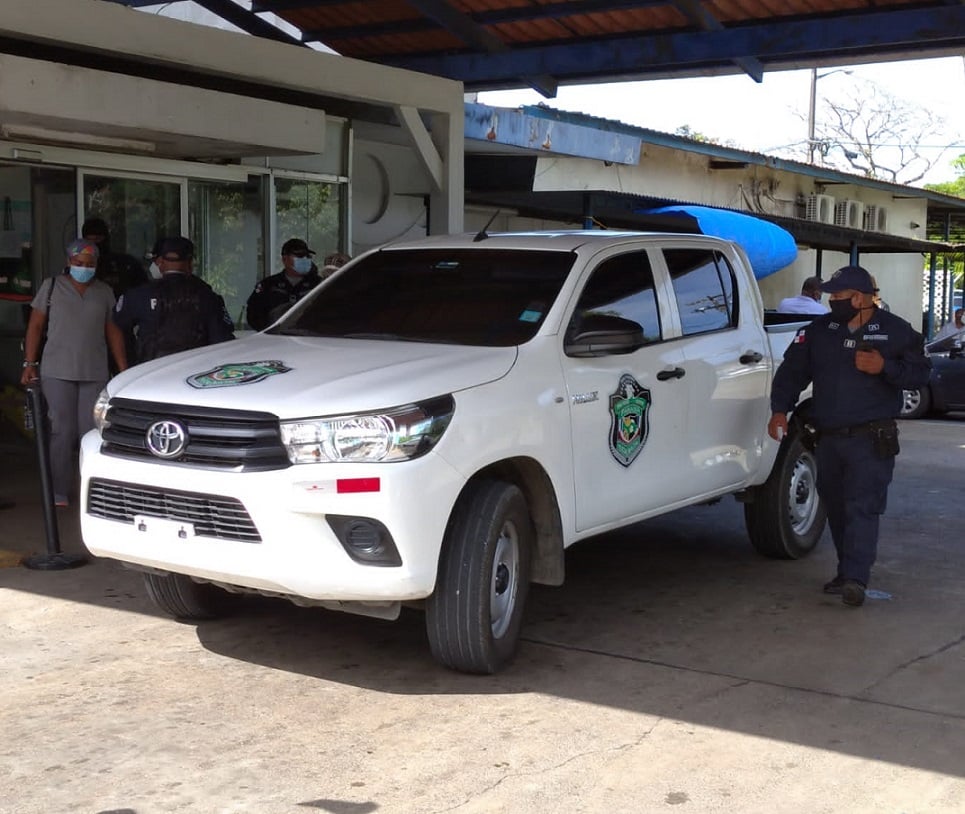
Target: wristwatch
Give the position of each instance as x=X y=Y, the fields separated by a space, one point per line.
x=31 y=364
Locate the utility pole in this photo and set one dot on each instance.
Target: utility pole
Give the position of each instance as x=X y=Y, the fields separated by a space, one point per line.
x=811 y=106
x=815 y=76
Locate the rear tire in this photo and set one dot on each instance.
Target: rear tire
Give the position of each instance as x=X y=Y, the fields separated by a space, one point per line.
x=474 y=616
x=786 y=518
x=183 y=598
x=915 y=403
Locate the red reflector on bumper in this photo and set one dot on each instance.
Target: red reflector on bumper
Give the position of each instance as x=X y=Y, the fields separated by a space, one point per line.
x=348 y=485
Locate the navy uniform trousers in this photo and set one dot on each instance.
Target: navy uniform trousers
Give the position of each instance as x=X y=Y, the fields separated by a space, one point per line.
x=853 y=483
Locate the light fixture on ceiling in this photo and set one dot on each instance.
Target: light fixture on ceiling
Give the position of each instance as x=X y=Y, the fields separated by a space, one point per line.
x=46 y=134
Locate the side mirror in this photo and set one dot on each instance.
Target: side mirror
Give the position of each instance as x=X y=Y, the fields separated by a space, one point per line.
x=603 y=335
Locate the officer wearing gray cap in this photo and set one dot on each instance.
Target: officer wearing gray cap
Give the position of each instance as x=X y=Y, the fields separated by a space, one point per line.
x=859 y=359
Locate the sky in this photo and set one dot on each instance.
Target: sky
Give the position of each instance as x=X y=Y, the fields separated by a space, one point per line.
x=769 y=116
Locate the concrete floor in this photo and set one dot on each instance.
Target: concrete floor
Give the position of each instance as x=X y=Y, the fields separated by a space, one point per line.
x=675 y=671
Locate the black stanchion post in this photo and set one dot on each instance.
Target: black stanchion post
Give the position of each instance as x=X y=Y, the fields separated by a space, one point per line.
x=54 y=559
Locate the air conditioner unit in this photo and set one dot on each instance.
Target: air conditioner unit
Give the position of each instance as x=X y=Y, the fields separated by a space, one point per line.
x=849 y=214
x=819 y=208
x=876 y=218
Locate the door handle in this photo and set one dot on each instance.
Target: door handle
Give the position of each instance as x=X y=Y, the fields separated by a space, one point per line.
x=751 y=357
x=676 y=373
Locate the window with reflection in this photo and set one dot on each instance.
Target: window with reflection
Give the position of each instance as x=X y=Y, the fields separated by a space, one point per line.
x=621 y=287
x=703 y=285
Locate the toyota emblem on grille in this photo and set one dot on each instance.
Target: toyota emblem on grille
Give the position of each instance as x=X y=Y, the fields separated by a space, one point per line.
x=166 y=439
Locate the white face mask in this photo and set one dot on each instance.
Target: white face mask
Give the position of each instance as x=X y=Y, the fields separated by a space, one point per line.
x=82 y=274
x=155 y=271
x=301 y=265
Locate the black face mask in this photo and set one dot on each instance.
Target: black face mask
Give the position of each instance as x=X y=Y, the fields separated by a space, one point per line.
x=842 y=310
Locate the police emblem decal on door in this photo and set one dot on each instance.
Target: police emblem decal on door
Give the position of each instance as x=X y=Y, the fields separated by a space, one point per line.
x=629 y=419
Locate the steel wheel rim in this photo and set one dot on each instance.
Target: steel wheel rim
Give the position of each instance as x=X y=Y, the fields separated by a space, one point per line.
x=803 y=495
x=504 y=584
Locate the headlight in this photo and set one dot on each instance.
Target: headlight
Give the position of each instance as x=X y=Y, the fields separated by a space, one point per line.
x=398 y=434
x=101 y=409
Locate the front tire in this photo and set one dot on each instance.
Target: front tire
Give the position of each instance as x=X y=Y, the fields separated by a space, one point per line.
x=183 y=598
x=915 y=403
x=786 y=518
x=474 y=616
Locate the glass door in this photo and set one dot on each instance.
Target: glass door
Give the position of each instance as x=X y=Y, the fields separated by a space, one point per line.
x=137 y=210
x=310 y=210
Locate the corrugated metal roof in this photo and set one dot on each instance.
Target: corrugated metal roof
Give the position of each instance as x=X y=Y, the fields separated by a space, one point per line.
x=491 y=44
x=945 y=228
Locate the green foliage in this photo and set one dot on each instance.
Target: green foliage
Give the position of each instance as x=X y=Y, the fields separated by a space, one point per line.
x=956 y=187
x=686 y=131
x=308 y=210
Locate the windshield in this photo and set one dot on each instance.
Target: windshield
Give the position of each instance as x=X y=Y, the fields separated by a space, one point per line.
x=946 y=343
x=488 y=297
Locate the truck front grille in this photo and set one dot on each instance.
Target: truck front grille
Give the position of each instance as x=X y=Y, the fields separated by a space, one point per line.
x=240 y=440
x=211 y=515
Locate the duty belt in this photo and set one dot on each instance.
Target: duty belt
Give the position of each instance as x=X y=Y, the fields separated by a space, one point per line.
x=860 y=429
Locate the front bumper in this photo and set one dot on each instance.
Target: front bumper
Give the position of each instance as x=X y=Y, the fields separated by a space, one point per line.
x=293 y=550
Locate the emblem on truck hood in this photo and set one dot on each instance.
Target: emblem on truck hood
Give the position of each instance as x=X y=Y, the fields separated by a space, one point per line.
x=629 y=419
x=235 y=373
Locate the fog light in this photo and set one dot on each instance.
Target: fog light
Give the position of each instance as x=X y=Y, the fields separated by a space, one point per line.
x=365 y=540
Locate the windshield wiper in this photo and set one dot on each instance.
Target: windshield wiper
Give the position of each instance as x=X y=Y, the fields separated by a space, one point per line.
x=294 y=332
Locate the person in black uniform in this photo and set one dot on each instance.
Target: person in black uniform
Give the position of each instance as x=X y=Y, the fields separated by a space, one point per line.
x=177 y=312
x=859 y=358
x=276 y=294
x=121 y=272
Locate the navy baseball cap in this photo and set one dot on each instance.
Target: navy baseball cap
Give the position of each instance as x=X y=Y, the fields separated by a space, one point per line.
x=852 y=278
x=179 y=247
x=296 y=246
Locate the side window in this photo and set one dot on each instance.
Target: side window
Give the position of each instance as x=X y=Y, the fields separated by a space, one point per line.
x=726 y=273
x=703 y=285
x=621 y=286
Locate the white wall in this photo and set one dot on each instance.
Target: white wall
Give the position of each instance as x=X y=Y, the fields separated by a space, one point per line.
x=683 y=176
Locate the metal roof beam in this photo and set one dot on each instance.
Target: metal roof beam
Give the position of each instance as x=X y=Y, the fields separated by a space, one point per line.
x=275 y=6
x=247 y=21
x=707 y=21
x=857 y=34
x=478 y=37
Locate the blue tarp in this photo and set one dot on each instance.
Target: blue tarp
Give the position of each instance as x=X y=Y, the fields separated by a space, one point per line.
x=769 y=247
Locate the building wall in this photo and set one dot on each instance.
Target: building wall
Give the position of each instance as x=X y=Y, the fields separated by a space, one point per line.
x=685 y=176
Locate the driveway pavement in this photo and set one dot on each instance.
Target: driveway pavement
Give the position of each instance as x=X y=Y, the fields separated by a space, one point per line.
x=676 y=670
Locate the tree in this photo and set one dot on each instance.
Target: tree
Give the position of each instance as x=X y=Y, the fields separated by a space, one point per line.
x=879 y=135
x=956 y=187
x=686 y=131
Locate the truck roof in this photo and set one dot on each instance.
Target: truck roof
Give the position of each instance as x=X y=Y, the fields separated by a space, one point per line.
x=558 y=240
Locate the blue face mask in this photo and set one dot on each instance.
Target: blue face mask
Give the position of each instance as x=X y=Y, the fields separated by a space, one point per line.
x=301 y=265
x=82 y=274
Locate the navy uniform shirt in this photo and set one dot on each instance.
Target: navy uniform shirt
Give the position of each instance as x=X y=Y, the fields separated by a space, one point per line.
x=136 y=314
x=822 y=354
x=276 y=294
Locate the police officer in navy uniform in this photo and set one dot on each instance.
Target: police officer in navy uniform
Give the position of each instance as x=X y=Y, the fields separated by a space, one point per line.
x=175 y=313
x=859 y=358
x=276 y=294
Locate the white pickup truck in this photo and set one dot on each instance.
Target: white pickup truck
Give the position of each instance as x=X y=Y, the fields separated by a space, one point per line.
x=440 y=420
